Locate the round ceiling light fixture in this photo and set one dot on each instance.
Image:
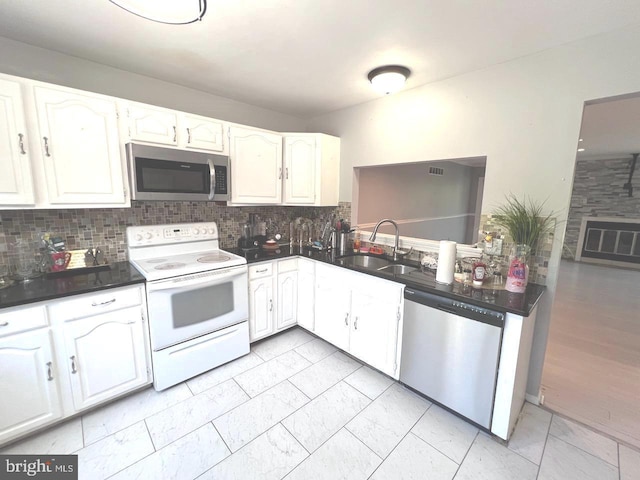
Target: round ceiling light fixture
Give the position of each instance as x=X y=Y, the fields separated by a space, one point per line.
x=389 y=79
x=172 y=12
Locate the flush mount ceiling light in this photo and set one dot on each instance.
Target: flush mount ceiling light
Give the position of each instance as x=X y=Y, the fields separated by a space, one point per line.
x=389 y=79
x=173 y=12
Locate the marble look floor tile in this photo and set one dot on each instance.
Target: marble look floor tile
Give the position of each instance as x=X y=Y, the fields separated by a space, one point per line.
x=324 y=374
x=316 y=350
x=530 y=434
x=185 y=458
x=488 y=460
x=244 y=423
x=585 y=439
x=342 y=457
x=319 y=419
x=283 y=342
x=369 y=382
x=629 y=463
x=414 y=459
x=131 y=409
x=65 y=438
x=223 y=373
x=269 y=457
x=563 y=461
x=387 y=419
x=447 y=433
x=271 y=372
x=114 y=453
x=176 y=421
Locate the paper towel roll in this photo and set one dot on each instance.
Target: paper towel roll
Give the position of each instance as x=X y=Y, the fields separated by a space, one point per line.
x=446 y=262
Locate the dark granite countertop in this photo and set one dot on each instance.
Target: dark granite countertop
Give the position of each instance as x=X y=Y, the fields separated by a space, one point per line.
x=48 y=288
x=424 y=280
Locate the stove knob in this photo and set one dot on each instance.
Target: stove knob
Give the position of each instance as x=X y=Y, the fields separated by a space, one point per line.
x=212 y=231
x=148 y=236
x=138 y=237
x=196 y=231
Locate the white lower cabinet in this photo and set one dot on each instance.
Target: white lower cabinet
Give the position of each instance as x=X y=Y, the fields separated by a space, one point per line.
x=29 y=383
x=105 y=355
x=61 y=357
x=360 y=314
x=273 y=297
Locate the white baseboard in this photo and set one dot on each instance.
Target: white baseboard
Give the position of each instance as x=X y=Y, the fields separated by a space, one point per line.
x=535 y=399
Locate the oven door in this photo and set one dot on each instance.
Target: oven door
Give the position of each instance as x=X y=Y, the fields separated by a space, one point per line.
x=186 y=307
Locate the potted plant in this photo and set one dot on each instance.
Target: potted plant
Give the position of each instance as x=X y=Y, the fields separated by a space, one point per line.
x=527 y=225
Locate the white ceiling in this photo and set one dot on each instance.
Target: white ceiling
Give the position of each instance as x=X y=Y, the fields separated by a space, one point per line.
x=309 y=57
x=610 y=129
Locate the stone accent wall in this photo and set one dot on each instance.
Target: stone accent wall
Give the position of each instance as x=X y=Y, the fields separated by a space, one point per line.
x=105 y=228
x=597 y=192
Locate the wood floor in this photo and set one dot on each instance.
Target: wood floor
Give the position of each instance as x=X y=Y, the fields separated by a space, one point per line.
x=592 y=366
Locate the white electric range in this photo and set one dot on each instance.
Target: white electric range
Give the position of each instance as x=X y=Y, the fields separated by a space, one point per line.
x=197 y=299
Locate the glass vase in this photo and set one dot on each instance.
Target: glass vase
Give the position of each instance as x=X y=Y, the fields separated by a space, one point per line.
x=518 y=274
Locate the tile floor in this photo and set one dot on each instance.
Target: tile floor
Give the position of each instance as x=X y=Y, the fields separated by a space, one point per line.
x=296 y=408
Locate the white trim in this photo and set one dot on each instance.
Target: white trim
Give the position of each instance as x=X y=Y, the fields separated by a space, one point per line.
x=535 y=399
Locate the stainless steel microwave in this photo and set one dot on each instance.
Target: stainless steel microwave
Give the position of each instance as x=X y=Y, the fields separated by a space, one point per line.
x=158 y=173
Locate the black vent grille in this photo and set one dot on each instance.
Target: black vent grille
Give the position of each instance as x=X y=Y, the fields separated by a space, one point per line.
x=436 y=171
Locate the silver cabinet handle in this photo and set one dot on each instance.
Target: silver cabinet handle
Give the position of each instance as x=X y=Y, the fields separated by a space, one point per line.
x=280 y=174
x=46 y=146
x=355 y=323
x=188 y=135
x=270 y=304
x=262 y=271
x=4 y=324
x=49 y=372
x=73 y=364
x=94 y=304
x=21 y=144
x=346 y=319
x=286 y=173
x=175 y=134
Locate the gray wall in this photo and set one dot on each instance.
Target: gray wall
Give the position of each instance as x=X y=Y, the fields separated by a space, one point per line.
x=407 y=192
x=597 y=192
x=27 y=61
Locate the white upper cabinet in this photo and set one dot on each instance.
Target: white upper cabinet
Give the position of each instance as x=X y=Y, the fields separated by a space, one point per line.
x=151 y=124
x=299 y=168
x=312 y=169
x=16 y=185
x=256 y=166
x=81 y=152
x=201 y=133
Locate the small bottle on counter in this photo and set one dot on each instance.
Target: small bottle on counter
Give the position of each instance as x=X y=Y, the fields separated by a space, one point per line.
x=479 y=272
x=356 y=241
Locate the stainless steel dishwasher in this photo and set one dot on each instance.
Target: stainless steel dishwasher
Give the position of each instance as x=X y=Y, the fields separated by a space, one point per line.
x=450 y=353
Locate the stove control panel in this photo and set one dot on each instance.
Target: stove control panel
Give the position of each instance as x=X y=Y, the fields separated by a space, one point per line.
x=178 y=233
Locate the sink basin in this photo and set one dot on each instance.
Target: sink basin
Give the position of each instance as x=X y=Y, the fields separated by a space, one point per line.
x=365 y=261
x=397 y=269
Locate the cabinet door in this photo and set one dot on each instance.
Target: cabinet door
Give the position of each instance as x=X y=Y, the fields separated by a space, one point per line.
x=287 y=299
x=374 y=328
x=153 y=125
x=256 y=166
x=29 y=393
x=16 y=184
x=306 y=294
x=332 y=306
x=81 y=148
x=202 y=133
x=105 y=355
x=260 y=308
x=300 y=166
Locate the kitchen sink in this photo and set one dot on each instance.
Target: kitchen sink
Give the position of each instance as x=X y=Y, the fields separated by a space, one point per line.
x=397 y=269
x=365 y=261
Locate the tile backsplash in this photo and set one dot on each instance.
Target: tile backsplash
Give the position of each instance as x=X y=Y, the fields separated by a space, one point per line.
x=105 y=228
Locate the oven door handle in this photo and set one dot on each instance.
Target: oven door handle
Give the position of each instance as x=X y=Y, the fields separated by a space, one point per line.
x=212 y=179
x=201 y=280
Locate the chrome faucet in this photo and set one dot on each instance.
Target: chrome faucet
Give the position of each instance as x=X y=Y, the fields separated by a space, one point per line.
x=397 y=254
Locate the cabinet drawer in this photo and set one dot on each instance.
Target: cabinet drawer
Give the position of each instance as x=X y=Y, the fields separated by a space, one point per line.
x=22 y=319
x=260 y=270
x=94 y=304
x=289 y=265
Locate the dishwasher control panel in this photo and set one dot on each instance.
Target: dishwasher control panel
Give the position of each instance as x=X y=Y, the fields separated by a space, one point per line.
x=476 y=309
